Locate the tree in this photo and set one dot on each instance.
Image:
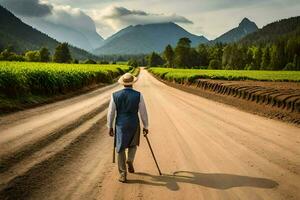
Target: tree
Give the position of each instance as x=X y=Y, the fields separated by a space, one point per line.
x=6 y=54
x=227 y=56
x=277 y=57
x=265 y=63
x=281 y=55
x=215 y=64
x=292 y=47
x=133 y=63
x=155 y=60
x=243 y=57
x=89 y=61
x=103 y=62
x=169 y=56
x=203 y=55
x=290 y=67
x=257 y=58
x=194 y=60
x=33 y=56
x=182 y=51
x=10 y=56
x=296 y=62
x=62 y=54
x=45 y=55
x=232 y=57
x=274 y=63
x=248 y=62
x=216 y=51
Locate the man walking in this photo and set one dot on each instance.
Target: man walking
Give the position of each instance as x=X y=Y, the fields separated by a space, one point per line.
x=125 y=105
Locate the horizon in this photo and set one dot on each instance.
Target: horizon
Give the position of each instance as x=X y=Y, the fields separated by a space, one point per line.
x=108 y=17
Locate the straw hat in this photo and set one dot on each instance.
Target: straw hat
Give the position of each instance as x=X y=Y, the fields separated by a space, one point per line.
x=127 y=79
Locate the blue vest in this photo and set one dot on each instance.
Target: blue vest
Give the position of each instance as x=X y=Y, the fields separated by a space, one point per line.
x=127 y=119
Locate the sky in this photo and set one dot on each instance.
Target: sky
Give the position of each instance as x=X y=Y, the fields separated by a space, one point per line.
x=210 y=18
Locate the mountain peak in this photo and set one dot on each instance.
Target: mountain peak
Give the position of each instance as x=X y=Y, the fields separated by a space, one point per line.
x=245 y=27
x=247 y=22
x=146 y=38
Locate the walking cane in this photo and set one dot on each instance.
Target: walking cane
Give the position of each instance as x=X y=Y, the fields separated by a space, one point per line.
x=145 y=135
x=114 y=150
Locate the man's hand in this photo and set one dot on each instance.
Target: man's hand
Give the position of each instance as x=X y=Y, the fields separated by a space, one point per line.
x=111 y=132
x=145 y=131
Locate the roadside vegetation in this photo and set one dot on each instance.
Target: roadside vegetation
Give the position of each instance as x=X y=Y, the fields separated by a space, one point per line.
x=190 y=75
x=22 y=78
x=37 y=76
x=26 y=84
x=136 y=71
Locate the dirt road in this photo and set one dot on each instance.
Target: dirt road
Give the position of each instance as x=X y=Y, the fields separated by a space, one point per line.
x=205 y=149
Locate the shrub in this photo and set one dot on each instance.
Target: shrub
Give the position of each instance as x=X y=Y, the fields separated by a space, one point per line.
x=215 y=64
x=89 y=61
x=103 y=62
x=44 y=55
x=133 y=63
x=290 y=67
x=33 y=56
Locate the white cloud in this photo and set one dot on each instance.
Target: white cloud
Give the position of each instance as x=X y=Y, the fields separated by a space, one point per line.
x=71 y=17
x=55 y=13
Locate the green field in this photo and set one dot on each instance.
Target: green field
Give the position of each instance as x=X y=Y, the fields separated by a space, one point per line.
x=190 y=75
x=24 y=78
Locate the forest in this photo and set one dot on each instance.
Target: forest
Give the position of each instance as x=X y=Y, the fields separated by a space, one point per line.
x=274 y=47
x=282 y=54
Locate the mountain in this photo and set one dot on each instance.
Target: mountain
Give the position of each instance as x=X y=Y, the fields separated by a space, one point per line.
x=285 y=29
x=143 y=39
x=23 y=37
x=81 y=38
x=245 y=27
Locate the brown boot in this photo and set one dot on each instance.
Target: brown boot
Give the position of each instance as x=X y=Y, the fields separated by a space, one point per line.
x=130 y=167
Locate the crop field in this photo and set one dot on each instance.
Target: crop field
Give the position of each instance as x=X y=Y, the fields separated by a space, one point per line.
x=22 y=78
x=190 y=75
x=275 y=89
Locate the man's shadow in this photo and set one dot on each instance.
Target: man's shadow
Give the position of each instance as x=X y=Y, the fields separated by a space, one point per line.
x=217 y=181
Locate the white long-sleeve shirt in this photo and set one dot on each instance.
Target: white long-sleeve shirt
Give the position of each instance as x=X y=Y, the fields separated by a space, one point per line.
x=112 y=112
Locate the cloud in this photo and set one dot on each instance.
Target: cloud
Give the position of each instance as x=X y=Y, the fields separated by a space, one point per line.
x=138 y=16
x=116 y=12
x=37 y=11
x=28 y=8
x=71 y=17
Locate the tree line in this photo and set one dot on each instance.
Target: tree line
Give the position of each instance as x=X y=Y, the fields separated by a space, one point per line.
x=61 y=54
x=283 y=54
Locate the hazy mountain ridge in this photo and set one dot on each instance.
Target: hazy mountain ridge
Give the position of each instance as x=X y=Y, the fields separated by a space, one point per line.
x=281 y=28
x=142 y=39
x=84 y=39
x=244 y=28
x=24 y=37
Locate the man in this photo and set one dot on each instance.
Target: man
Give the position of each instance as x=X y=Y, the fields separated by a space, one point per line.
x=125 y=105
